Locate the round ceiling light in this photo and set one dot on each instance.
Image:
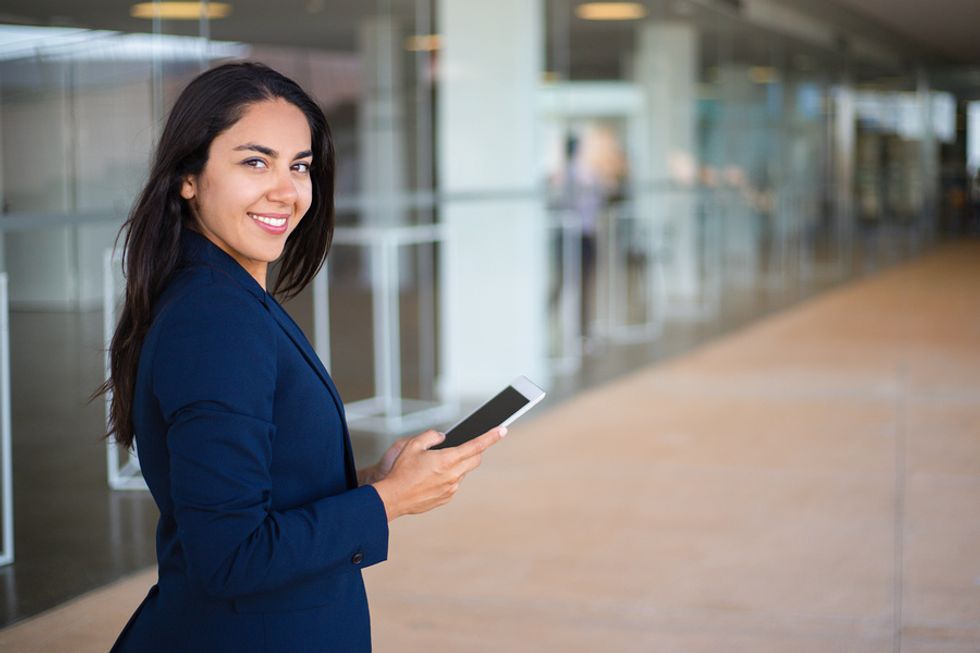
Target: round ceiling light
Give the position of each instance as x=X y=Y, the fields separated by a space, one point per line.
x=180 y=10
x=610 y=11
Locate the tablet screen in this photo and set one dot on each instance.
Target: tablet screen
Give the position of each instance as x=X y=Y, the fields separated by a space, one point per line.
x=490 y=415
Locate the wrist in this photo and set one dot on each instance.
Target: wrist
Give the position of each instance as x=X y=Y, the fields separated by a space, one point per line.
x=367 y=475
x=388 y=496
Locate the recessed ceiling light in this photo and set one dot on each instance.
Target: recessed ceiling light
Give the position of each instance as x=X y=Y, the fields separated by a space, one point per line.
x=422 y=43
x=610 y=11
x=180 y=10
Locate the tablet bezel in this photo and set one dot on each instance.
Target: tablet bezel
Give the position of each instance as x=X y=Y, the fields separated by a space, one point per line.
x=524 y=387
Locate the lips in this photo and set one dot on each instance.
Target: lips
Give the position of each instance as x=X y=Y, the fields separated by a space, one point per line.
x=274 y=223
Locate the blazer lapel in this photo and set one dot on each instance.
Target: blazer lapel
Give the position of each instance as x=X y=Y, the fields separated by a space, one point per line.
x=296 y=335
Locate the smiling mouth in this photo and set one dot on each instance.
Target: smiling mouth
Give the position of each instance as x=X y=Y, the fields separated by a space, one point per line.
x=274 y=222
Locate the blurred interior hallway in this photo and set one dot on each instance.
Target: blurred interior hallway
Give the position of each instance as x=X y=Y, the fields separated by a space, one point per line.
x=808 y=483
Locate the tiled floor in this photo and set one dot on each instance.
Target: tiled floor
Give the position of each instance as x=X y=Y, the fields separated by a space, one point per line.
x=808 y=483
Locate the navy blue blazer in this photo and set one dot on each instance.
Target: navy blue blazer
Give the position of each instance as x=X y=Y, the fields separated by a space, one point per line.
x=243 y=442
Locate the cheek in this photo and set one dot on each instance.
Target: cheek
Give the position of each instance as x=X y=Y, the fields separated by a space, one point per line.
x=242 y=192
x=305 y=197
x=229 y=196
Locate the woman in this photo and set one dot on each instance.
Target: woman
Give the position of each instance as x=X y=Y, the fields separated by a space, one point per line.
x=265 y=524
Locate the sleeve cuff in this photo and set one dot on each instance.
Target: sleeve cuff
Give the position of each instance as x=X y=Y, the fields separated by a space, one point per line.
x=374 y=519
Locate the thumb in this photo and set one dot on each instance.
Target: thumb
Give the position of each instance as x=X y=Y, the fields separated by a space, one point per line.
x=430 y=438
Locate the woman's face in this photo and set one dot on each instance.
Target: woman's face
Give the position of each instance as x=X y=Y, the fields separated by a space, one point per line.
x=256 y=185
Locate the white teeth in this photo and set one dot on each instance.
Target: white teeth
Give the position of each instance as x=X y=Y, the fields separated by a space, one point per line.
x=275 y=222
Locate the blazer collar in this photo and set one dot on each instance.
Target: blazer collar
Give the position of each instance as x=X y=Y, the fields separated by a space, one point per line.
x=198 y=249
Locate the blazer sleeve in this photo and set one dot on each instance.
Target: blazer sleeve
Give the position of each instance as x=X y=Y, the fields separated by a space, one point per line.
x=214 y=375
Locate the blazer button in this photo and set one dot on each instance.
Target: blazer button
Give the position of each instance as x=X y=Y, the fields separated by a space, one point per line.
x=357 y=558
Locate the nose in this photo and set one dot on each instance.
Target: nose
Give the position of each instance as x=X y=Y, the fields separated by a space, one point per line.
x=283 y=190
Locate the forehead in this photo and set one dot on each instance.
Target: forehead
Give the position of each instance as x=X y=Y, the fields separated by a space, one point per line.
x=274 y=123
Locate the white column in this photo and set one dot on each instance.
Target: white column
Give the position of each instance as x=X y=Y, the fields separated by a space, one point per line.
x=844 y=143
x=666 y=69
x=929 y=158
x=381 y=127
x=796 y=181
x=492 y=276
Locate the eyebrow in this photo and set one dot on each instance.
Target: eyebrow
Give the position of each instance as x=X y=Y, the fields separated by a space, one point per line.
x=268 y=151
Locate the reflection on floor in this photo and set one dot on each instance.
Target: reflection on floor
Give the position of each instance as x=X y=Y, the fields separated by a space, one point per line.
x=74 y=535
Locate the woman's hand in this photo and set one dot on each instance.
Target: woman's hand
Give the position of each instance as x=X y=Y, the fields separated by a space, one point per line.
x=379 y=470
x=419 y=479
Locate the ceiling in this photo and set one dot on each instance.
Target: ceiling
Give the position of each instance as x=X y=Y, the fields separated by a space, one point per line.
x=327 y=24
x=938 y=31
x=948 y=28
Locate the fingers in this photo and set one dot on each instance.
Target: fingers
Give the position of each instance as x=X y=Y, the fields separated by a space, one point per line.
x=423 y=480
x=480 y=444
x=429 y=439
x=467 y=465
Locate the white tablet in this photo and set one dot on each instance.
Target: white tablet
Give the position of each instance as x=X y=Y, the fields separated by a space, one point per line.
x=509 y=404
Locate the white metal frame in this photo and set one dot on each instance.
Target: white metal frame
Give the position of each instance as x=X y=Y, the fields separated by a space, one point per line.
x=624 y=101
x=569 y=229
x=123 y=470
x=712 y=253
x=387 y=411
x=615 y=329
x=561 y=102
x=6 y=468
x=711 y=228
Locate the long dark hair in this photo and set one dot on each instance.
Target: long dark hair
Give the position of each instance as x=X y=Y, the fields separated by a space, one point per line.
x=209 y=105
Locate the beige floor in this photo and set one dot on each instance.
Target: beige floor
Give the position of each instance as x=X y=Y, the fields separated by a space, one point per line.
x=802 y=485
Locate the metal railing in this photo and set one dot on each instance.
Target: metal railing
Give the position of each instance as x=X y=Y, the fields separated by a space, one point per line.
x=123 y=466
x=388 y=410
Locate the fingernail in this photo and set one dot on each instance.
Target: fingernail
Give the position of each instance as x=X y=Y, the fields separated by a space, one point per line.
x=503 y=431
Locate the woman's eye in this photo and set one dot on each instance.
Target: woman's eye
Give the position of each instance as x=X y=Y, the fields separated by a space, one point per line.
x=258 y=163
x=305 y=167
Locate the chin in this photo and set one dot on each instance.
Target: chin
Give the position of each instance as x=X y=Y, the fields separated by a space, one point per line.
x=269 y=254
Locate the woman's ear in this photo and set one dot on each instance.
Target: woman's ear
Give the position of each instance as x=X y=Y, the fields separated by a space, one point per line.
x=188 y=187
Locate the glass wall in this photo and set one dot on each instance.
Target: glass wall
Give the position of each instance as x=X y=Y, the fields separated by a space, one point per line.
x=719 y=165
